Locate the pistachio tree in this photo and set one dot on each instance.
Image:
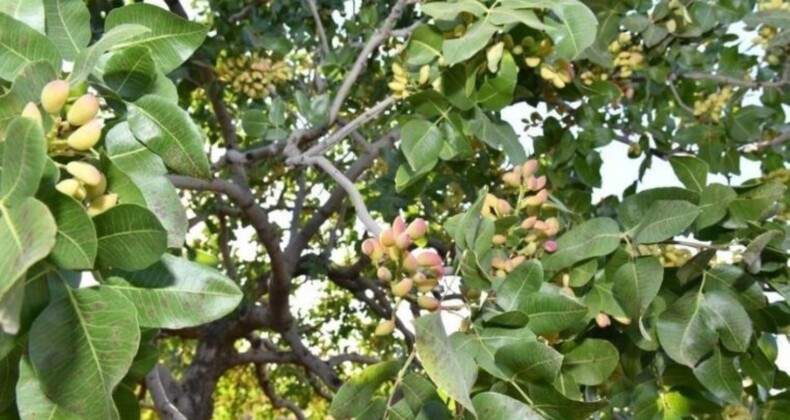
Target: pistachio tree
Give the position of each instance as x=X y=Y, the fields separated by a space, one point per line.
x=370 y=233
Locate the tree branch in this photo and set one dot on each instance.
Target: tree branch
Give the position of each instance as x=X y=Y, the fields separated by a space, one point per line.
x=159 y=394
x=265 y=383
x=369 y=114
x=751 y=84
x=319 y=26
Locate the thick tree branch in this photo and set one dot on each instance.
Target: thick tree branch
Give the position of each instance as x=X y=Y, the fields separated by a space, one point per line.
x=369 y=114
x=319 y=26
x=751 y=84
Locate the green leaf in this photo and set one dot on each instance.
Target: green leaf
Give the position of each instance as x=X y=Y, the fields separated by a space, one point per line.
x=21 y=45
x=31 y=400
x=147 y=172
x=492 y=405
x=68 y=26
x=76 y=243
x=475 y=39
x=752 y=204
x=418 y=391
x=664 y=220
x=24 y=157
x=552 y=312
x=497 y=92
x=636 y=283
x=729 y=319
x=499 y=135
x=353 y=397
x=130 y=237
x=169 y=131
x=691 y=171
x=86 y=60
x=588 y=168
x=28 y=230
x=454 y=372
x=519 y=284
x=593 y=238
x=576 y=31
x=176 y=293
x=529 y=361
x=713 y=203
x=744 y=124
x=254 y=123
x=127 y=403
x=82 y=345
x=719 y=375
x=29 y=12
x=591 y=362
x=130 y=72
x=753 y=251
x=582 y=273
x=421 y=142
x=448 y=11
x=634 y=207
x=686 y=330
x=172 y=40
x=425 y=44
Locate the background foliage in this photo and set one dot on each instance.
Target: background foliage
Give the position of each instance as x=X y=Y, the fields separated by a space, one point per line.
x=302 y=127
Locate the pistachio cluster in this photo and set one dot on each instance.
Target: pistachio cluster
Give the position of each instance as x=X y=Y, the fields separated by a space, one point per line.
x=253 y=76
x=629 y=56
x=679 y=17
x=79 y=123
x=534 y=51
x=668 y=255
x=411 y=273
x=403 y=83
x=588 y=77
x=711 y=106
x=767 y=33
x=560 y=73
x=534 y=234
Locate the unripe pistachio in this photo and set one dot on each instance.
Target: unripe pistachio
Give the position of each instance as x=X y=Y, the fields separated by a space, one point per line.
x=416 y=229
x=503 y=208
x=603 y=320
x=368 y=246
x=437 y=271
x=102 y=204
x=623 y=320
x=384 y=274
x=552 y=226
x=499 y=239
x=500 y=274
x=425 y=72
x=68 y=186
x=398 y=225
x=85 y=137
x=84 y=110
x=397 y=69
x=537 y=199
x=410 y=263
x=84 y=172
x=403 y=241
x=497 y=263
x=532 y=61
x=511 y=179
x=428 y=259
x=394 y=253
x=547 y=73
x=31 y=111
x=95 y=191
x=429 y=303
x=385 y=328
x=529 y=222
x=672 y=26
x=518 y=260
x=550 y=246
x=403 y=287
x=529 y=167
x=426 y=285
x=531 y=248
x=558 y=82
x=387 y=238
x=54 y=96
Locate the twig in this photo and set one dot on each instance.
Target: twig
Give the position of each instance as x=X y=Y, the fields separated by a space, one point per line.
x=776 y=141
x=671 y=83
x=241 y=14
x=398 y=380
x=369 y=114
x=319 y=26
x=353 y=193
x=359 y=65
x=751 y=84
x=352 y=357
x=265 y=383
x=694 y=244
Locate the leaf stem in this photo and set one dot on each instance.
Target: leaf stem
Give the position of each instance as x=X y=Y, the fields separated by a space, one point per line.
x=398 y=381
